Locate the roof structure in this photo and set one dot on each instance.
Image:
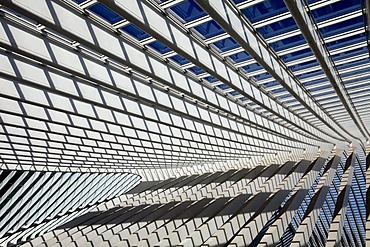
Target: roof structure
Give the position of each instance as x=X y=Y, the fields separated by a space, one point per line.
x=93 y=92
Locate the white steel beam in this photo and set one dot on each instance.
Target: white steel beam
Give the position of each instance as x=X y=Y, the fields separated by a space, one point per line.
x=337 y=224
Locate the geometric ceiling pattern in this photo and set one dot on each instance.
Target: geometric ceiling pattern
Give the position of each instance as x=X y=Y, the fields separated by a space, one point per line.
x=170 y=88
x=158 y=85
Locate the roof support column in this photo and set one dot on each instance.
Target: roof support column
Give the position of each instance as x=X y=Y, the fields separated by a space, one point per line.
x=307 y=226
x=368 y=23
x=368 y=198
x=285 y=217
x=336 y=227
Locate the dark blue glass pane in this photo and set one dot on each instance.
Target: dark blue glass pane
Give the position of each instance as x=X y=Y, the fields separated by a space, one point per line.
x=234 y=93
x=362 y=78
x=336 y=9
x=158 y=46
x=304 y=65
x=313 y=82
x=238 y=1
x=135 y=31
x=351 y=25
x=342 y=26
x=277 y=28
x=297 y=55
x=188 y=10
x=239 y=57
x=226 y=44
x=79 y=1
x=346 y=41
x=106 y=13
x=310 y=74
x=264 y=10
x=223 y=86
x=288 y=43
x=196 y=70
x=252 y=67
x=355 y=72
x=279 y=90
x=243 y=98
x=284 y=96
x=322 y=94
x=209 y=29
x=349 y=54
x=179 y=59
x=320 y=88
x=352 y=64
x=211 y=79
x=293 y=101
x=262 y=76
x=271 y=84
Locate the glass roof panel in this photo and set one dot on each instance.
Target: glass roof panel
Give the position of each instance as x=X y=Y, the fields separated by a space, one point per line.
x=355 y=63
x=271 y=84
x=234 y=93
x=336 y=9
x=323 y=87
x=313 y=82
x=297 y=67
x=365 y=84
x=304 y=65
x=288 y=42
x=196 y=70
x=136 y=32
x=238 y=1
x=211 y=79
x=160 y=47
x=346 y=42
x=106 y=13
x=355 y=72
x=262 y=76
x=287 y=95
x=265 y=9
x=179 y=59
x=209 y=29
x=293 y=100
x=317 y=95
x=223 y=86
x=226 y=44
x=297 y=55
x=341 y=27
x=239 y=57
x=278 y=28
x=188 y=11
x=252 y=67
x=310 y=74
x=349 y=54
x=279 y=90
